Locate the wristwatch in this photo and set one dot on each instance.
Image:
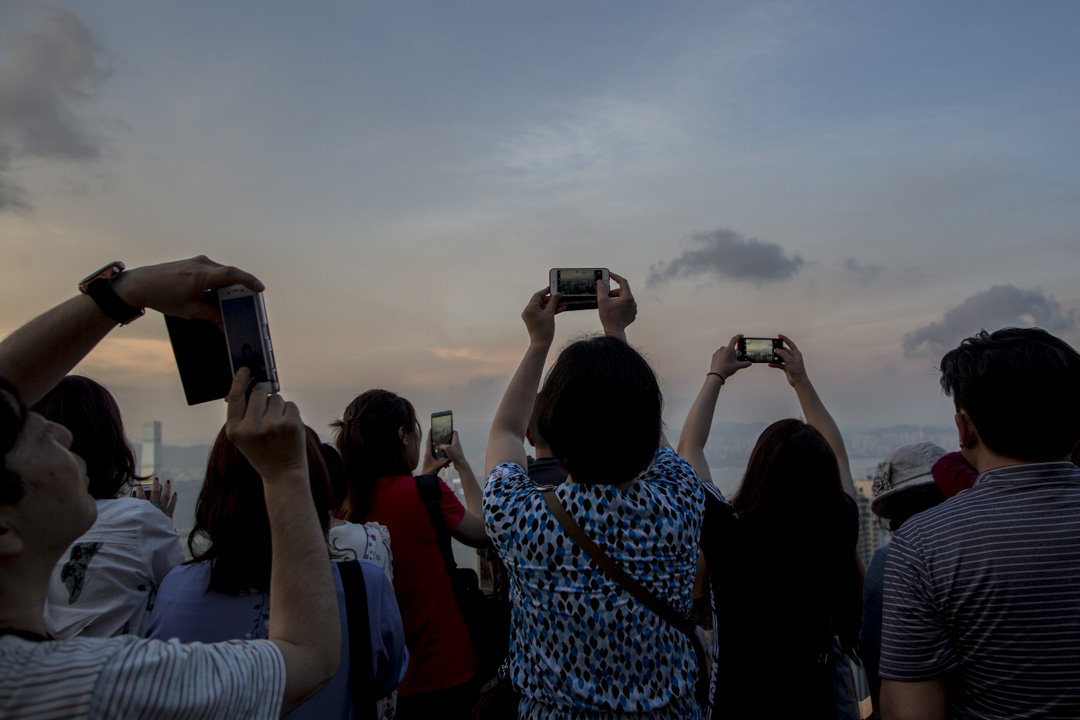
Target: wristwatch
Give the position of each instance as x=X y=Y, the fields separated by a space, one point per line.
x=98 y=285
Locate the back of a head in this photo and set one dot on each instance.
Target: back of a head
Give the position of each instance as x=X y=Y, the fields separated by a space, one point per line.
x=231 y=516
x=89 y=411
x=600 y=411
x=370 y=446
x=1021 y=389
x=792 y=475
x=904 y=483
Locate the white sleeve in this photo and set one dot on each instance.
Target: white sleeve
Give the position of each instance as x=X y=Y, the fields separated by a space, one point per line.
x=159 y=542
x=166 y=680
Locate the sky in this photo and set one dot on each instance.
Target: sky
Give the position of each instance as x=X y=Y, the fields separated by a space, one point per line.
x=874 y=180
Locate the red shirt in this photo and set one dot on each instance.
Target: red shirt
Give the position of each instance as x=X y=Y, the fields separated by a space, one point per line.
x=952 y=474
x=440 y=652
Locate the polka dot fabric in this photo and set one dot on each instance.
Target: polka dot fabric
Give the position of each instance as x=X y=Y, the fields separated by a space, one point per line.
x=581 y=646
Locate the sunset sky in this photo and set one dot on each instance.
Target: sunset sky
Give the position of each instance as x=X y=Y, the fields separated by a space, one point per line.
x=876 y=180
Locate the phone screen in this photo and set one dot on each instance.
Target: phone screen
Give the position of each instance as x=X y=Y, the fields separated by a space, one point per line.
x=760 y=349
x=578 y=282
x=442 y=433
x=244 y=333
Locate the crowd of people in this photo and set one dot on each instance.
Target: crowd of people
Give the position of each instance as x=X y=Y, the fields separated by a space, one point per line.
x=627 y=584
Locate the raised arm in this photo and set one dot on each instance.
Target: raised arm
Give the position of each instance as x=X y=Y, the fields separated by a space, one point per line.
x=695 y=431
x=305 y=624
x=617 y=308
x=507 y=440
x=38 y=355
x=814 y=410
x=470 y=530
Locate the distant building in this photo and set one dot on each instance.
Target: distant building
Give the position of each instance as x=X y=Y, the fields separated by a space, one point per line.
x=151 y=449
x=871 y=534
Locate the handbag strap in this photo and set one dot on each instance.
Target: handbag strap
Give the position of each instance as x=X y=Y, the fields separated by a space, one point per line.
x=431 y=495
x=361 y=671
x=620 y=576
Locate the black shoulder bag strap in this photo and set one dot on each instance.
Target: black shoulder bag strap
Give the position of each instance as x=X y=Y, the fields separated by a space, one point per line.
x=362 y=674
x=431 y=496
x=639 y=593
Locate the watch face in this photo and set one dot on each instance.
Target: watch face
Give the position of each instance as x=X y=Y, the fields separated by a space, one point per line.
x=106 y=273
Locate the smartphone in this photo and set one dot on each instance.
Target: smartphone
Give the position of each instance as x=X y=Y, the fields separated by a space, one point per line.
x=759 y=350
x=442 y=432
x=247 y=335
x=577 y=285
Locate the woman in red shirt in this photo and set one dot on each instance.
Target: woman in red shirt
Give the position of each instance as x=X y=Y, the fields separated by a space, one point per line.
x=381 y=444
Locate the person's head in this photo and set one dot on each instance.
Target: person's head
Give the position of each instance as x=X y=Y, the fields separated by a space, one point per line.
x=379 y=436
x=231 y=519
x=88 y=410
x=600 y=411
x=1020 y=389
x=339 y=480
x=44 y=505
x=903 y=484
x=791 y=472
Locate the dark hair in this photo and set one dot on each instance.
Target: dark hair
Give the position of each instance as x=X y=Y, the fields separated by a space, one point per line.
x=231 y=515
x=538 y=440
x=335 y=468
x=909 y=502
x=792 y=489
x=1021 y=389
x=367 y=438
x=600 y=411
x=90 y=412
x=12 y=420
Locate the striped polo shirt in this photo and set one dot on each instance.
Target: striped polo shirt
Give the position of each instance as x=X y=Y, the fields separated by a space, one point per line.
x=984 y=590
x=129 y=677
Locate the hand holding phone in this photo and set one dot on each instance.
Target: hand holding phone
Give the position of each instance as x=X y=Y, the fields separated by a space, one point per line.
x=577 y=286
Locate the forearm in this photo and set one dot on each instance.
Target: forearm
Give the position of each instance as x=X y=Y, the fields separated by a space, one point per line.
x=305 y=621
x=474 y=496
x=39 y=354
x=695 y=431
x=512 y=417
x=818 y=417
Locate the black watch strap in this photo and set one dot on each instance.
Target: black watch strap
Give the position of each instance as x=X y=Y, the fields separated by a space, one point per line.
x=99 y=286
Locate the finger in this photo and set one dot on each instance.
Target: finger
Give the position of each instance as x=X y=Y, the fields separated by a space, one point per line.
x=237 y=396
x=778 y=366
x=139 y=492
x=256 y=406
x=229 y=275
x=171 y=506
x=155 y=490
x=734 y=342
x=454 y=439
x=553 y=302
x=602 y=289
x=784 y=353
x=792 y=345
x=624 y=285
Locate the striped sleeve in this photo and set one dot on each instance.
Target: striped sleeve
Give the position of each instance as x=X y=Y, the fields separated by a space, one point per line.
x=193 y=680
x=914 y=637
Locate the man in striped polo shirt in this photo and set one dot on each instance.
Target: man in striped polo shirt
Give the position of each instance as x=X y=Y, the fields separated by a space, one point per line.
x=982 y=593
x=45 y=506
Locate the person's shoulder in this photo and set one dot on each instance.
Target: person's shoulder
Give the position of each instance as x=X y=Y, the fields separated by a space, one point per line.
x=668 y=468
x=506 y=477
x=193 y=575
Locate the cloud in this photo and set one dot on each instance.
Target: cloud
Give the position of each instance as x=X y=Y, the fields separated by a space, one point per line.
x=46 y=70
x=865 y=272
x=729 y=254
x=1000 y=306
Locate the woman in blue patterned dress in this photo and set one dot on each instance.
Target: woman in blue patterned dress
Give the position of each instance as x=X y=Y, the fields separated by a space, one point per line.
x=581 y=646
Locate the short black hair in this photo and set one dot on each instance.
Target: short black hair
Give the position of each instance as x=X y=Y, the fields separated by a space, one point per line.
x=600 y=411
x=1021 y=389
x=12 y=419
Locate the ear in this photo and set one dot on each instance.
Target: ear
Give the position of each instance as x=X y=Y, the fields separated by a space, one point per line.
x=969 y=436
x=401 y=434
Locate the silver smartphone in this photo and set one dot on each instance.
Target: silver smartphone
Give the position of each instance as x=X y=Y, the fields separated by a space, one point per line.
x=247 y=335
x=577 y=285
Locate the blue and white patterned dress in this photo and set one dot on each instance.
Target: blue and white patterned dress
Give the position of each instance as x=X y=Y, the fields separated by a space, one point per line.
x=581 y=646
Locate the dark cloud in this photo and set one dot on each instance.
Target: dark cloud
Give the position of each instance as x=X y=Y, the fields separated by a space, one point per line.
x=46 y=69
x=865 y=272
x=731 y=255
x=1000 y=306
